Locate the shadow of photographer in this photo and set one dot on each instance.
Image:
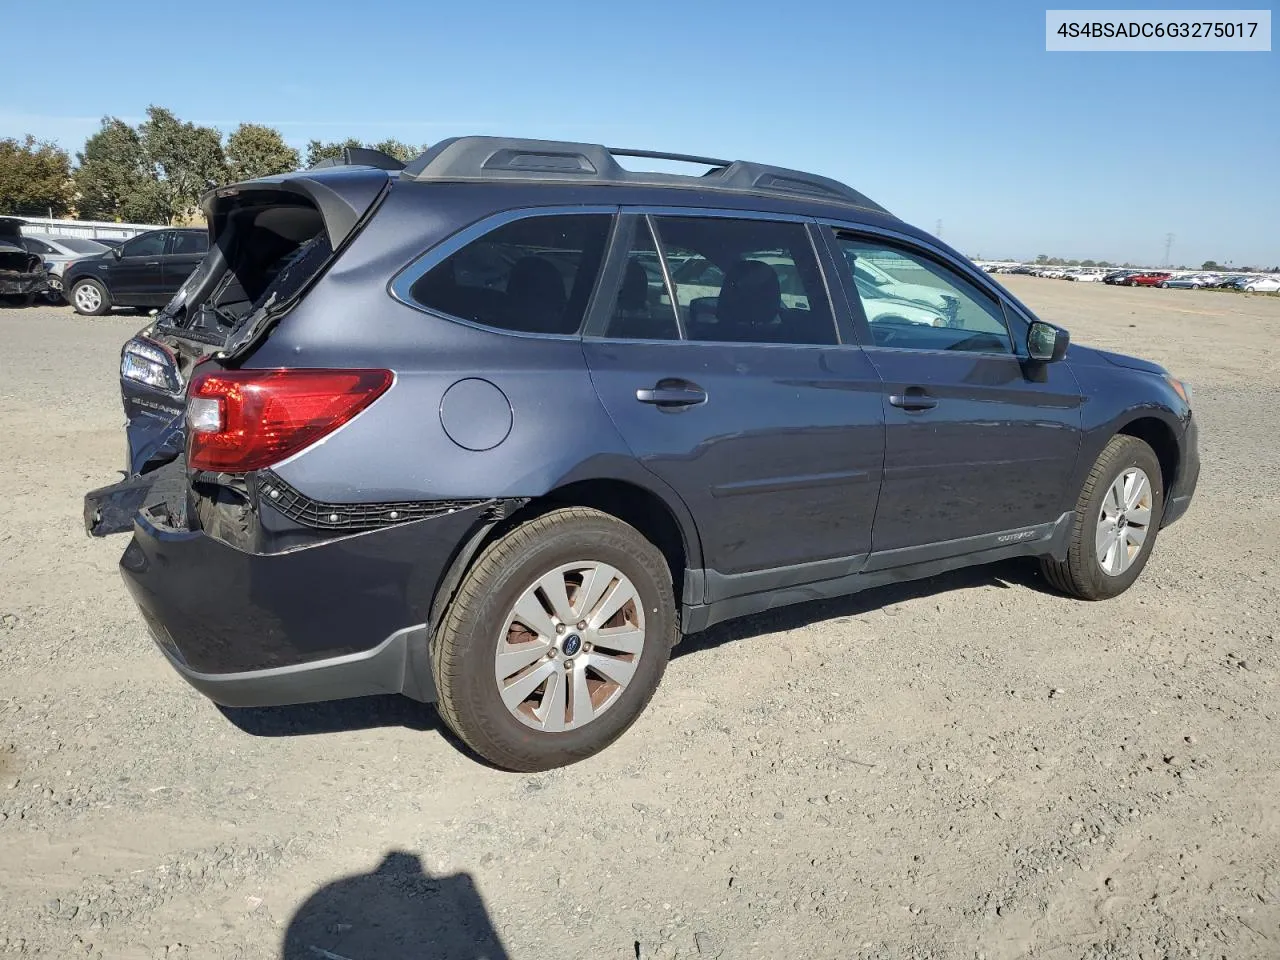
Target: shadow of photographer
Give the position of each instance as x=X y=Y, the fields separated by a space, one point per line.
x=397 y=911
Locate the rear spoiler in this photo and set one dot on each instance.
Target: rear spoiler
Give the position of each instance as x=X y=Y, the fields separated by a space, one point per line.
x=342 y=195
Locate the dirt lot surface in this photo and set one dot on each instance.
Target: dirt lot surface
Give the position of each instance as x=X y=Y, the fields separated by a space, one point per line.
x=964 y=767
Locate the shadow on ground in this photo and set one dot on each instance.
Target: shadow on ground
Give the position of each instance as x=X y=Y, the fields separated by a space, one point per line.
x=396 y=912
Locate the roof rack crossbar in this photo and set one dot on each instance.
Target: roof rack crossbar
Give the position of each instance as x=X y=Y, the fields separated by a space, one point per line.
x=474 y=159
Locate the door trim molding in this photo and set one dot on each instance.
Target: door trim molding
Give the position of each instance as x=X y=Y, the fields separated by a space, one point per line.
x=727 y=596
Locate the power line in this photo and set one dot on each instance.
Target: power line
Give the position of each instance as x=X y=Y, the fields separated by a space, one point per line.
x=1168 y=244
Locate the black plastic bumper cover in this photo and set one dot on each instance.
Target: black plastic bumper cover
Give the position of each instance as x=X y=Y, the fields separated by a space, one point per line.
x=341 y=618
x=1184 y=487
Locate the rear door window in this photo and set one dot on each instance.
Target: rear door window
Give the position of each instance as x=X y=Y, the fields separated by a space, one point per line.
x=746 y=281
x=190 y=243
x=533 y=275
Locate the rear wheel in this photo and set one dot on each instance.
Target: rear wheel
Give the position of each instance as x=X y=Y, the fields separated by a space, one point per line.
x=1115 y=523
x=555 y=641
x=90 y=298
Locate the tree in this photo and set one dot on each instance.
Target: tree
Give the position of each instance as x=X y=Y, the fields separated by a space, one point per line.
x=112 y=180
x=257 y=151
x=185 y=161
x=318 y=150
x=401 y=151
x=35 y=177
x=1210 y=265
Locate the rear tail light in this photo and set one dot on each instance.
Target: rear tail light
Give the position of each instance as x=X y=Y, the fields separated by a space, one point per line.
x=242 y=420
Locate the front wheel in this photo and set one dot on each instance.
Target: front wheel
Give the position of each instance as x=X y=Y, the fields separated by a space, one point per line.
x=90 y=298
x=555 y=641
x=1114 y=525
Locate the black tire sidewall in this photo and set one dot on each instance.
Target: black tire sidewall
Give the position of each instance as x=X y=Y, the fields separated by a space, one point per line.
x=1133 y=453
x=489 y=726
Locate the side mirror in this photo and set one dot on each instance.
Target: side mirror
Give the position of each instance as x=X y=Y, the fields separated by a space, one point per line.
x=1047 y=343
x=115 y=252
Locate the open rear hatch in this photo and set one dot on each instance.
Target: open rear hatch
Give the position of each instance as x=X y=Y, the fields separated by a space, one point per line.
x=270 y=239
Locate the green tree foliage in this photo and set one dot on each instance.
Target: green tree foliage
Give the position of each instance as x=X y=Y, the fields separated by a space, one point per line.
x=113 y=180
x=35 y=177
x=185 y=160
x=1210 y=265
x=318 y=150
x=254 y=150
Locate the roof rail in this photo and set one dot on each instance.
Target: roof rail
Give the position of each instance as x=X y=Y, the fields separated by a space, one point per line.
x=470 y=159
x=361 y=157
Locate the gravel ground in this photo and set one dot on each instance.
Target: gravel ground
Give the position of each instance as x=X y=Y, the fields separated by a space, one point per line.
x=967 y=766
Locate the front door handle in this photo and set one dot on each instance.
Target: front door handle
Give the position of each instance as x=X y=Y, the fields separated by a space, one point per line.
x=913 y=399
x=153 y=263
x=672 y=393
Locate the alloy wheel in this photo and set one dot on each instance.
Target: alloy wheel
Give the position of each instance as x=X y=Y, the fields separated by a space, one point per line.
x=88 y=298
x=570 y=646
x=1124 y=521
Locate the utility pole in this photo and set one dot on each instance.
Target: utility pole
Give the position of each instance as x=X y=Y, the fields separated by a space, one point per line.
x=1168 y=244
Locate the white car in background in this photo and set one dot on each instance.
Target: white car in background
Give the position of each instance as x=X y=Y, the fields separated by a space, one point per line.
x=57 y=252
x=1263 y=285
x=875 y=277
x=1086 y=276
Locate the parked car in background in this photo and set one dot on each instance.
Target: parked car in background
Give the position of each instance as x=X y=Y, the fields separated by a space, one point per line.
x=441 y=430
x=144 y=271
x=109 y=241
x=1263 y=285
x=1149 y=279
x=22 y=273
x=57 y=252
x=1085 y=276
x=1116 y=277
x=1193 y=281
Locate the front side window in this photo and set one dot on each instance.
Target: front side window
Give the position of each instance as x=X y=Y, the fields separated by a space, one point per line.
x=746 y=281
x=146 y=245
x=37 y=246
x=532 y=275
x=914 y=302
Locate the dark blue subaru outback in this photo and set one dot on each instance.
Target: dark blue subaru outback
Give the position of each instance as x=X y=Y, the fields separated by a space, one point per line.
x=496 y=428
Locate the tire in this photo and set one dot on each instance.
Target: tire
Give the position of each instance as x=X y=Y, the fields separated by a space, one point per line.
x=482 y=619
x=1164 y=286
x=1083 y=573
x=90 y=298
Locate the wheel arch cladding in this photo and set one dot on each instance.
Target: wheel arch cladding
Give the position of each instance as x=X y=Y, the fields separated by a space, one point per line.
x=1159 y=436
x=632 y=504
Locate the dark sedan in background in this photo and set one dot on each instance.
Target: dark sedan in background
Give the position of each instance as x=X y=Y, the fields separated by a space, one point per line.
x=144 y=271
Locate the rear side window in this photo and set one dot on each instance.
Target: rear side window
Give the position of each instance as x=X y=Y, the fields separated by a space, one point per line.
x=746 y=281
x=533 y=275
x=190 y=243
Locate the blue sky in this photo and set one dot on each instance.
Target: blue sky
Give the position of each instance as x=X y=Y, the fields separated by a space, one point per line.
x=940 y=111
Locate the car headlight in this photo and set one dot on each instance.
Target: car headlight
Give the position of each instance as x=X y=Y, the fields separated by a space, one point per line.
x=1181 y=388
x=145 y=362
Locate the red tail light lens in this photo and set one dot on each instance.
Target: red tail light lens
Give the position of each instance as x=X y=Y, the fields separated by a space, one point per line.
x=242 y=420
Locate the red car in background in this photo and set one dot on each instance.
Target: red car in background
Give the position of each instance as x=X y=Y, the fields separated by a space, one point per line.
x=1146 y=279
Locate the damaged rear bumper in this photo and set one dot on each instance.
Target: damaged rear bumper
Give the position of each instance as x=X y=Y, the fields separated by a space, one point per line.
x=18 y=285
x=111 y=509
x=344 y=617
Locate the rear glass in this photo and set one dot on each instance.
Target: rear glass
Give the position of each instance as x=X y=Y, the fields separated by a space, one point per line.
x=533 y=275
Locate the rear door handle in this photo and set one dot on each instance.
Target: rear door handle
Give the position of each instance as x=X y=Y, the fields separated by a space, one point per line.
x=913 y=399
x=672 y=393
